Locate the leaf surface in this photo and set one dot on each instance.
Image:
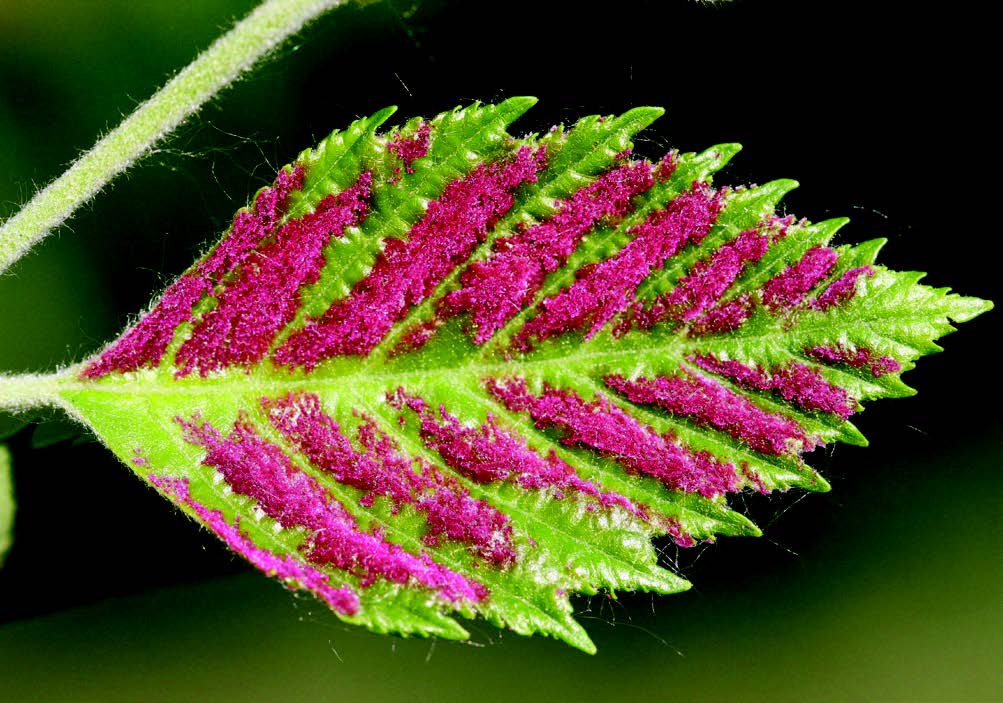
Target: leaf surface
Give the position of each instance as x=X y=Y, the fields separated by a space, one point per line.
x=438 y=371
x=7 y=503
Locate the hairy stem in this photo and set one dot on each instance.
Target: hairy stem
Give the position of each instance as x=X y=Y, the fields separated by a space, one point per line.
x=31 y=390
x=235 y=52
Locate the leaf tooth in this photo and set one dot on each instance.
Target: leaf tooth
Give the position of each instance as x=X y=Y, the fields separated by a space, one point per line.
x=608 y=429
x=145 y=343
x=541 y=495
x=333 y=165
x=574 y=160
x=287 y=568
x=697 y=517
x=538 y=603
x=408 y=270
x=456 y=146
x=607 y=288
x=711 y=404
x=262 y=471
x=494 y=290
x=488 y=453
x=380 y=469
x=794 y=381
x=264 y=296
x=602 y=276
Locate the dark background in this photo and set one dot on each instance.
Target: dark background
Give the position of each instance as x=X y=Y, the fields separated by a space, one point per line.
x=887 y=588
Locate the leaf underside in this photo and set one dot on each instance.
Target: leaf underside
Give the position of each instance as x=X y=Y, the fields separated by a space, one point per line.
x=439 y=371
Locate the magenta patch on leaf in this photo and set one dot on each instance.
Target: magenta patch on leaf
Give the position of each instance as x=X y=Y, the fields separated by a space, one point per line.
x=789 y=288
x=260 y=470
x=381 y=470
x=723 y=317
x=711 y=404
x=794 y=381
x=342 y=600
x=842 y=290
x=265 y=297
x=410 y=149
x=603 y=290
x=709 y=279
x=489 y=454
x=603 y=426
x=857 y=358
x=143 y=345
x=408 y=270
x=494 y=290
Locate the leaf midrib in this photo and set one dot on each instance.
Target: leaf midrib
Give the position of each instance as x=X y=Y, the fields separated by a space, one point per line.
x=161 y=382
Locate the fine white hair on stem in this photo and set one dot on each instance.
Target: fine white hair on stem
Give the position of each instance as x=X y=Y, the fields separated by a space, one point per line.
x=234 y=53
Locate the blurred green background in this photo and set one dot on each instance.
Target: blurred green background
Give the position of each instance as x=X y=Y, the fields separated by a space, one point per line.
x=886 y=589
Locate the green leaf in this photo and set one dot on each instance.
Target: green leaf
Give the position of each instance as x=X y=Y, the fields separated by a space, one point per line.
x=441 y=371
x=7 y=504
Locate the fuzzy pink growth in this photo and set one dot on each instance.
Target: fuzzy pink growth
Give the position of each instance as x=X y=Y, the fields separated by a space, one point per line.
x=494 y=290
x=382 y=470
x=795 y=382
x=416 y=336
x=607 y=288
x=264 y=299
x=342 y=600
x=723 y=317
x=674 y=529
x=261 y=470
x=410 y=149
x=711 y=404
x=489 y=454
x=608 y=429
x=789 y=287
x=143 y=345
x=843 y=290
x=708 y=280
x=408 y=270
x=856 y=358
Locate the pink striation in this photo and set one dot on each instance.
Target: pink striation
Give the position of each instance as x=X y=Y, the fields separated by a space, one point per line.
x=710 y=404
x=381 y=470
x=605 y=289
x=342 y=600
x=789 y=288
x=856 y=358
x=494 y=290
x=709 y=279
x=611 y=431
x=723 y=317
x=416 y=336
x=408 y=270
x=489 y=454
x=265 y=296
x=410 y=149
x=143 y=345
x=262 y=471
x=842 y=290
x=795 y=382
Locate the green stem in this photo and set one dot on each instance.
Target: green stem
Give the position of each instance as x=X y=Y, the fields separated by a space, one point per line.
x=30 y=390
x=235 y=52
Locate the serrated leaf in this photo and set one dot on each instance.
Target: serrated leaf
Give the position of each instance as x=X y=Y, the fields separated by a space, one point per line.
x=441 y=371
